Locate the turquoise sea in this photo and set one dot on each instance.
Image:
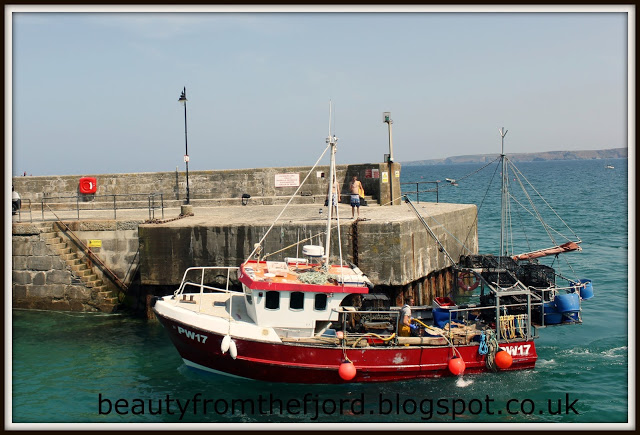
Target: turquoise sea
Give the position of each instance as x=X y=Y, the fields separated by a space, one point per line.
x=95 y=368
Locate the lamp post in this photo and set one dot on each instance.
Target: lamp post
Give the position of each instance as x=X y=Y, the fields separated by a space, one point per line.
x=183 y=100
x=386 y=118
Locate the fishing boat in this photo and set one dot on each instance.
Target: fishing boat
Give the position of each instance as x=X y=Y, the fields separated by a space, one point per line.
x=609 y=166
x=315 y=321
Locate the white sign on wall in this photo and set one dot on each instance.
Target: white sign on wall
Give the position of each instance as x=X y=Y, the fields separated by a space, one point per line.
x=287 y=180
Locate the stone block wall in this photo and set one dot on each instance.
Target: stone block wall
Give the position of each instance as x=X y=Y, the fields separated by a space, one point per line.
x=220 y=184
x=40 y=278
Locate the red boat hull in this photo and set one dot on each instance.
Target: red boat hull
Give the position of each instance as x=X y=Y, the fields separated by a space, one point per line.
x=310 y=364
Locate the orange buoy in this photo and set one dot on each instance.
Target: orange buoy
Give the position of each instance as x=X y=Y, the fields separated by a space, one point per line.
x=457 y=365
x=503 y=359
x=347 y=370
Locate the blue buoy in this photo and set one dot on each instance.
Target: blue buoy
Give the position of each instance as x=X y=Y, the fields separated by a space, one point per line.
x=567 y=303
x=551 y=314
x=586 y=292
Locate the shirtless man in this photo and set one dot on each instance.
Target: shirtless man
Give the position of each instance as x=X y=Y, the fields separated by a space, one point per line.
x=354 y=189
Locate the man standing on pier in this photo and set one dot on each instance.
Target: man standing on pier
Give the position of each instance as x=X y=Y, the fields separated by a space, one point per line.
x=355 y=188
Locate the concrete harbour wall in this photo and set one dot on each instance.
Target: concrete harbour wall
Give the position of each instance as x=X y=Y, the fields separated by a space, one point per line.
x=213 y=185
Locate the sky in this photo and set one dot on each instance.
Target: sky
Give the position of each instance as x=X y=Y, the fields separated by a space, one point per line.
x=93 y=92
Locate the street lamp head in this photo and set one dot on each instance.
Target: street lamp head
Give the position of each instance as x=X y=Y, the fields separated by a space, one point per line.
x=183 y=97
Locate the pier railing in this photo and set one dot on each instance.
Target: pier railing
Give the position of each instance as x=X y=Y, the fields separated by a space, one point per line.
x=420 y=190
x=90 y=205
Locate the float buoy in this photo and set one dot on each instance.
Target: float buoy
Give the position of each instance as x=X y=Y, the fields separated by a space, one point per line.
x=340 y=335
x=233 y=350
x=463 y=286
x=457 y=365
x=224 y=346
x=347 y=370
x=503 y=359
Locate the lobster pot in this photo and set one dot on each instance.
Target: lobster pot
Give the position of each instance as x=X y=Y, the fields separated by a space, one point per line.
x=536 y=275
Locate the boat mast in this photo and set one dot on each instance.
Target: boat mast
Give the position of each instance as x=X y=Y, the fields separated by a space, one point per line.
x=331 y=140
x=503 y=205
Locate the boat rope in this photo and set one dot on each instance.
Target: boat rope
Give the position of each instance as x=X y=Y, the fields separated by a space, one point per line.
x=441 y=247
x=371 y=334
x=482 y=348
x=492 y=349
x=440 y=332
x=517 y=171
x=474 y=224
x=287 y=204
x=478 y=170
x=464 y=247
x=507 y=327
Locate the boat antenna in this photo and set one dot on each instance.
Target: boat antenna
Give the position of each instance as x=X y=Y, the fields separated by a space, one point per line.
x=503 y=207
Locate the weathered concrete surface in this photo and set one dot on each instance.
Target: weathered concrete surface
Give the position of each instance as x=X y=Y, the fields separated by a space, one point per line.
x=391 y=246
x=221 y=185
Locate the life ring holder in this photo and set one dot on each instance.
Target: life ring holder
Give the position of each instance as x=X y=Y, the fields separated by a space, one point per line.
x=465 y=287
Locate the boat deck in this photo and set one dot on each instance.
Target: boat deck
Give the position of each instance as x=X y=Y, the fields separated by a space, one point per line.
x=300 y=273
x=215 y=304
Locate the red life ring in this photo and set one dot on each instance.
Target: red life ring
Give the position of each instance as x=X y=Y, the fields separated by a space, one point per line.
x=465 y=287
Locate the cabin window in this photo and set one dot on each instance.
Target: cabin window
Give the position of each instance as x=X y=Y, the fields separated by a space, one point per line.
x=320 y=303
x=248 y=298
x=296 y=302
x=272 y=301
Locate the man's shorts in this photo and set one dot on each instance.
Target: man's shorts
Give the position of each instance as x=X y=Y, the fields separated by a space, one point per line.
x=355 y=200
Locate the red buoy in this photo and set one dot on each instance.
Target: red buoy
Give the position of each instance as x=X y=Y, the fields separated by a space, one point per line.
x=457 y=366
x=88 y=185
x=503 y=359
x=347 y=370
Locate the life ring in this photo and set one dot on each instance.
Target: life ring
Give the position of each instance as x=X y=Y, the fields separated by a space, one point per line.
x=465 y=287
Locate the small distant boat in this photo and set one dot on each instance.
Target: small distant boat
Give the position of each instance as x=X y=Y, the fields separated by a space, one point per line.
x=609 y=166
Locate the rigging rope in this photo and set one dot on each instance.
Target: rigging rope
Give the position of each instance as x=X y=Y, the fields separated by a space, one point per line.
x=542 y=198
x=285 y=207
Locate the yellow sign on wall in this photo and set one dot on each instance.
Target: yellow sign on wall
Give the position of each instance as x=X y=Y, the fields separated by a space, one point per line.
x=385 y=177
x=95 y=243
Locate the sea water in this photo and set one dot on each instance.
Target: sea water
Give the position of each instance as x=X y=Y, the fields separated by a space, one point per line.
x=97 y=368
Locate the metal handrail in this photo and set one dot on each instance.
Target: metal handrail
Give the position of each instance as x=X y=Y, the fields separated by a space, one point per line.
x=418 y=191
x=151 y=203
x=94 y=258
x=20 y=210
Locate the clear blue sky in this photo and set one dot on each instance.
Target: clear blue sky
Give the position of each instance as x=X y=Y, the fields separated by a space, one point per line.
x=96 y=93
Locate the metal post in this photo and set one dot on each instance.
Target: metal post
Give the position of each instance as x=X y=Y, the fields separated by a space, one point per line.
x=386 y=118
x=183 y=100
x=504 y=198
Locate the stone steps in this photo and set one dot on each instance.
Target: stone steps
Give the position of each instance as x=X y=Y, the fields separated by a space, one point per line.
x=106 y=299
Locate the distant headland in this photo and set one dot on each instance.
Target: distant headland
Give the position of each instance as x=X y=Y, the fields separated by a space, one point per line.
x=615 y=153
